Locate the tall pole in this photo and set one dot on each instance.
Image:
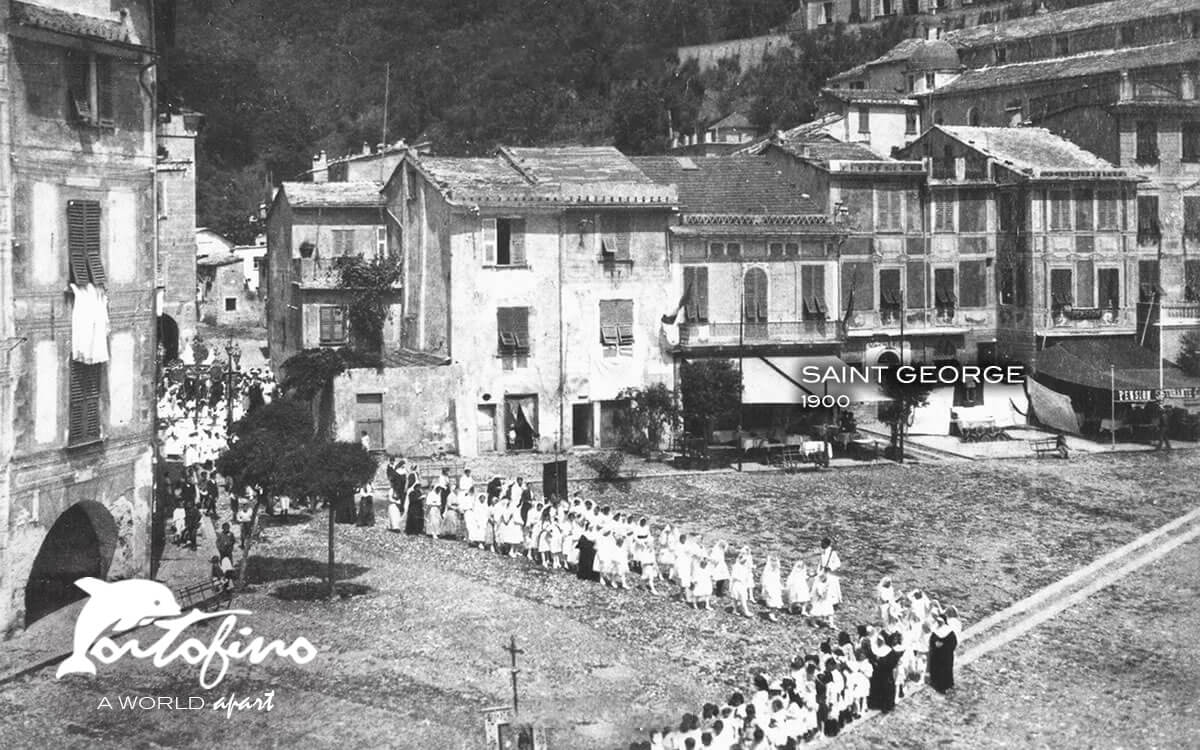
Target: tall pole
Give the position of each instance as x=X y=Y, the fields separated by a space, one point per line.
x=512 y=650
x=1161 y=353
x=903 y=406
x=1112 y=405
x=741 y=357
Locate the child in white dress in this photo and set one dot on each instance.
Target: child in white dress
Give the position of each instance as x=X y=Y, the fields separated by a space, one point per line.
x=683 y=567
x=702 y=584
x=666 y=551
x=741 y=580
x=820 y=609
x=620 y=562
x=645 y=556
x=720 y=568
x=797 y=587
x=772 y=588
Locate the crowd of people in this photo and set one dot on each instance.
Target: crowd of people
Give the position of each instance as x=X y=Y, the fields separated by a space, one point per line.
x=835 y=683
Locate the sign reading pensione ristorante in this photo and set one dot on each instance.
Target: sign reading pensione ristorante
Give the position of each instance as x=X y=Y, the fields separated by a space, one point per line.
x=1153 y=394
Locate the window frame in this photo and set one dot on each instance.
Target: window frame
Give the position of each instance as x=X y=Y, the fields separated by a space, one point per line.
x=1146 y=150
x=325 y=311
x=616 y=338
x=84 y=404
x=1189 y=136
x=513 y=346
x=91 y=83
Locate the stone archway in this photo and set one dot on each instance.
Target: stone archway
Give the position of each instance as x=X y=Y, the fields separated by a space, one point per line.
x=80 y=543
x=168 y=338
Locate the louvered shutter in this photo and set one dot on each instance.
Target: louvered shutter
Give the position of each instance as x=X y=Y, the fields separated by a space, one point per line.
x=915 y=285
x=84 y=410
x=105 y=98
x=690 y=310
x=700 y=294
x=83 y=242
x=78 y=65
x=1084 y=284
x=516 y=242
x=489 y=242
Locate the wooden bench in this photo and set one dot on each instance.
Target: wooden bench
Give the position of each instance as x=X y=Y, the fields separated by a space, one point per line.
x=205 y=596
x=1047 y=446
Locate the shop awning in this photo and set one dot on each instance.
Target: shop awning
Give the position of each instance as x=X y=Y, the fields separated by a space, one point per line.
x=787 y=380
x=1052 y=409
x=1089 y=364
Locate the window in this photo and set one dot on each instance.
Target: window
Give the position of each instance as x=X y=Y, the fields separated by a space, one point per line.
x=1108 y=214
x=943 y=168
x=937 y=113
x=775 y=249
x=1108 y=288
x=910 y=122
x=84 y=409
x=1148 y=227
x=1191 y=217
x=1147 y=142
x=83 y=243
x=1061 y=289
x=381 y=245
x=826 y=13
x=231 y=304
x=332 y=320
x=368 y=418
x=1005 y=212
x=945 y=293
x=1062 y=46
x=733 y=249
x=1191 y=280
x=1127 y=36
x=1016 y=112
x=1085 y=284
x=695 y=294
x=812 y=286
x=943 y=214
x=973 y=117
x=972 y=215
x=889 y=294
x=972 y=283
x=1191 y=141
x=1060 y=209
x=791 y=249
x=411 y=183
x=616 y=327
x=914 y=284
x=1000 y=54
x=343 y=242
x=1147 y=280
x=930 y=82
x=1083 y=210
x=716 y=249
x=754 y=296
x=864 y=119
x=858 y=286
x=90 y=86
x=615 y=235
x=975 y=167
x=889 y=210
x=504 y=242
x=512 y=324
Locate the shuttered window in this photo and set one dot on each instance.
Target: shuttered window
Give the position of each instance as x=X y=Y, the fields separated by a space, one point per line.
x=1148 y=227
x=1083 y=210
x=695 y=293
x=812 y=286
x=945 y=292
x=1108 y=288
x=1147 y=280
x=889 y=208
x=1060 y=209
x=1191 y=217
x=512 y=324
x=858 y=291
x=616 y=327
x=972 y=215
x=1084 y=284
x=889 y=292
x=1061 y=288
x=915 y=285
x=84 y=410
x=754 y=296
x=510 y=241
x=83 y=243
x=343 y=242
x=972 y=283
x=943 y=214
x=1109 y=213
x=333 y=325
x=490 y=233
x=90 y=86
x=615 y=240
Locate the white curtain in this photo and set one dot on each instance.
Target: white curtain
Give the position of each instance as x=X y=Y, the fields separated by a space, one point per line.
x=89 y=325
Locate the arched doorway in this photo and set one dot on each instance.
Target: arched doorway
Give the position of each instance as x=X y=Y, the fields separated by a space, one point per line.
x=168 y=338
x=80 y=543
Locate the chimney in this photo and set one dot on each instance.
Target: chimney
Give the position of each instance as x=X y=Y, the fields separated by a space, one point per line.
x=320 y=168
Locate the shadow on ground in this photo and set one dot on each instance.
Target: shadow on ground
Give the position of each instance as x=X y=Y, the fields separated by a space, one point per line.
x=311 y=591
x=268 y=569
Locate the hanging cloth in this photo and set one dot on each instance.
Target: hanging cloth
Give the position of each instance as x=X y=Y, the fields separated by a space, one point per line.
x=89 y=325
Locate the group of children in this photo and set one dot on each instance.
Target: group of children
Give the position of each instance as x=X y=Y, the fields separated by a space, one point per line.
x=597 y=543
x=834 y=684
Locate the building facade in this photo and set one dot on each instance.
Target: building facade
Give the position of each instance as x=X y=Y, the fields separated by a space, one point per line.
x=77 y=207
x=175 y=203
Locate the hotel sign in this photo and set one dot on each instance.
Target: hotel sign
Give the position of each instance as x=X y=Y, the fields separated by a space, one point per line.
x=1153 y=394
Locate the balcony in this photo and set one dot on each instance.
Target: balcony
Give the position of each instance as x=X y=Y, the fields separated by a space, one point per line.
x=1087 y=320
x=700 y=335
x=1180 y=314
x=939 y=320
x=319 y=273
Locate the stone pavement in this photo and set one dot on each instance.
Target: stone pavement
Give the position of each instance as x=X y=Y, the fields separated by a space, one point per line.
x=48 y=640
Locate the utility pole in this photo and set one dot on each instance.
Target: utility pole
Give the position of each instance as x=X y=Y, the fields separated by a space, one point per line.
x=512 y=650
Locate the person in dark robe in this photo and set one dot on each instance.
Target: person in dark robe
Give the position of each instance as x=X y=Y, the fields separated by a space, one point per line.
x=415 y=509
x=495 y=487
x=885 y=656
x=587 y=556
x=942 y=643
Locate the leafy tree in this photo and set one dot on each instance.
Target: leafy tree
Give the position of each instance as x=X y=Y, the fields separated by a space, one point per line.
x=709 y=392
x=260 y=438
x=1189 y=354
x=329 y=470
x=904 y=400
x=309 y=372
x=374 y=284
x=653 y=412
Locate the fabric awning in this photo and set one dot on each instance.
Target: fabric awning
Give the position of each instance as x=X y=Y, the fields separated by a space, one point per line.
x=1088 y=363
x=786 y=380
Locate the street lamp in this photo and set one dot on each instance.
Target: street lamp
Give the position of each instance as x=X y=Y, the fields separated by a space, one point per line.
x=233 y=355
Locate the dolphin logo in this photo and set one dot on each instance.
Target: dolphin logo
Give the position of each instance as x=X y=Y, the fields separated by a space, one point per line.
x=114 y=607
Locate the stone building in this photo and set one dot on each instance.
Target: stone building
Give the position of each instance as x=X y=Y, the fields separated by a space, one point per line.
x=225 y=295
x=77 y=207
x=175 y=202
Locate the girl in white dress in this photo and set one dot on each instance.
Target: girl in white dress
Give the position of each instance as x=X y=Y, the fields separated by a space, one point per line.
x=683 y=567
x=571 y=542
x=511 y=532
x=620 y=562
x=645 y=556
x=772 y=588
x=604 y=556
x=830 y=563
x=797 y=587
x=720 y=568
x=666 y=551
x=820 y=609
x=491 y=531
x=702 y=584
x=547 y=541
x=741 y=580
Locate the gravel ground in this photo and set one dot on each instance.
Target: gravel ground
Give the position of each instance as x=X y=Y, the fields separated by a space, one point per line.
x=411 y=659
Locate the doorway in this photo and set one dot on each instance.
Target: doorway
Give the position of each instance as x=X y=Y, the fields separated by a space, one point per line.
x=581 y=424
x=368 y=418
x=80 y=543
x=520 y=422
x=485 y=426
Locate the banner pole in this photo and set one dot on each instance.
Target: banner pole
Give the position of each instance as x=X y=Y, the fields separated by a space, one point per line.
x=1112 y=405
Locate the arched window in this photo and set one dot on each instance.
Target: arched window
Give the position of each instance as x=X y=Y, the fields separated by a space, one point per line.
x=937 y=117
x=973 y=117
x=754 y=297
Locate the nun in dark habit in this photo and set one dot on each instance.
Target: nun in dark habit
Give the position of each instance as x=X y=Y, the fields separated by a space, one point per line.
x=942 y=643
x=587 y=555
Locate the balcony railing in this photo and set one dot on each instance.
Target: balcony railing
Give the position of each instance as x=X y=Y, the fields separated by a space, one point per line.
x=771 y=332
x=319 y=273
x=869 y=321
x=1181 y=312
x=1086 y=319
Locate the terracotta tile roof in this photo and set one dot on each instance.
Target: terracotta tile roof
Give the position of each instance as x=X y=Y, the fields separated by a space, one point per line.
x=1091 y=63
x=413 y=358
x=873 y=96
x=822 y=151
x=332 y=194
x=576 y=175
x=735 y=120
x=115 y=30
x=1072 y=19
x=813 y=228
x=815 y=130
x=899 y=53
x=1032 y=150
x=728 y=185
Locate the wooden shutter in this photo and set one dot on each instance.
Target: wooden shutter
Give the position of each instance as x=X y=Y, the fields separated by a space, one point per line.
x=972 y=283
x=1083 y=210
x=945 y=292
x=1060 y=286
x=78 y=84
x=695 y=290
x=857 y=286
x=754 y=298
x=1084 y=284
x=915 y=285
x=812 y=285
x=84 y=410
x=1109 y=287
x=513 y=325
x=889 y=287
x=516 y=242
x=489 y=242
x=105 y=97
x=83 y=242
